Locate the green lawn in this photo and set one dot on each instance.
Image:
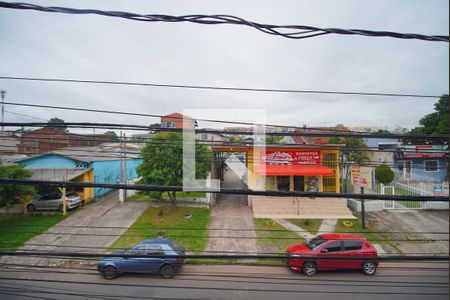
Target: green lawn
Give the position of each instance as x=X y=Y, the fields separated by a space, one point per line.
x=370 y=233
x=150 y=223
x=187 y=194
x=13 y=234
x=144 y=197
x=312 y=226
x=273 y=235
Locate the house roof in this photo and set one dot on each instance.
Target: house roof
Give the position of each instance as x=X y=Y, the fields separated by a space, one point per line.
x=90 y=154
x=176 y=115
x=56 y=174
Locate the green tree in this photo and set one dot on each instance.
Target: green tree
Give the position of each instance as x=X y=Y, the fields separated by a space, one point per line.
x=384 y=174
x=113 y=135
x=11 y=193
x=57 y=123
x=152 y=127
x=434 y=123
x=163 y=162
x=273 y=139
x=352 y=154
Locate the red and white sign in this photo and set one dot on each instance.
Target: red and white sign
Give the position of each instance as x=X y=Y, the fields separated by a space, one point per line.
x=292 y=157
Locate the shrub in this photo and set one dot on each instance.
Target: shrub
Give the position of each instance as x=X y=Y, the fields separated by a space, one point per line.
x=307 y=222
x=384 y=174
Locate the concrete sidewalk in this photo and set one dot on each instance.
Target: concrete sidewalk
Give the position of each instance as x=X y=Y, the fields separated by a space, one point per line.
x=327 y=226
x=77 y=233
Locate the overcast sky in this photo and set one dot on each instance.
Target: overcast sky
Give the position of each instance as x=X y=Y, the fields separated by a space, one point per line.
x=37 y=44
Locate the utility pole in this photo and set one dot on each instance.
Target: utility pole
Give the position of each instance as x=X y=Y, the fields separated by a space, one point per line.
x=121 y=199
x=125 y=177
x=3 y=93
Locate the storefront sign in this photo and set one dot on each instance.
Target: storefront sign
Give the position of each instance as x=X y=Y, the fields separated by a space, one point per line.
x=362 y=176
x=292 y=157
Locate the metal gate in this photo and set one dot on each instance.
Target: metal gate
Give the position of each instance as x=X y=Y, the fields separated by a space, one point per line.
x=391 y=204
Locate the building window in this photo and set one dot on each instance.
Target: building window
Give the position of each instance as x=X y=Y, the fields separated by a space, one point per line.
x=172 y=124
x=164 y=124
x=431 y=166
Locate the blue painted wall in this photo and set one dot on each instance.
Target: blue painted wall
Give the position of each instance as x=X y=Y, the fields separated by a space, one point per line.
x=104 y=171
x=109 y=172
x=49 y=162
x=418 y=168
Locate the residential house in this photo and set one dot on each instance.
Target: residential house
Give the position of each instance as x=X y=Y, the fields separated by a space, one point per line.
x=98 y=164
x=47 y=139
x=177 y=120
x=9 y=143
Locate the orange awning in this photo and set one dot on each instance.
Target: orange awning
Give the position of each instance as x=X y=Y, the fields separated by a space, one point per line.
x=300 y=170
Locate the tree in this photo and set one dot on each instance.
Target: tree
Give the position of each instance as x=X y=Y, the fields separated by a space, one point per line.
x=113 y=136
x=384 y=174
x=434 y=123
x=163 y=162
x=350 y=155
x=10 y=193
x=152 y=127
x=57 y=123
x=273 y=139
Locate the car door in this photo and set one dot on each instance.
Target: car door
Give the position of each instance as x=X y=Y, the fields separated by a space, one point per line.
x=134 y=264
x=352 y=248
x=44 y=202
x=152 y=264
x=331 y=250
x=55 y=201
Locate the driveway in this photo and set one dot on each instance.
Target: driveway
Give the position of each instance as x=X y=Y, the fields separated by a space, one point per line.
x=83 y=231
x=235 y=220
x=428 y=230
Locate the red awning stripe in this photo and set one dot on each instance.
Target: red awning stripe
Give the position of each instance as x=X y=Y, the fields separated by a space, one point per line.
x=300 y=170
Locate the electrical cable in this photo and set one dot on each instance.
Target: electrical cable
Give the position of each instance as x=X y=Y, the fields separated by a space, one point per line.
x=162 y=188
x=287 y=31
x=442 y=137
x=209 y=87
x=103 y=111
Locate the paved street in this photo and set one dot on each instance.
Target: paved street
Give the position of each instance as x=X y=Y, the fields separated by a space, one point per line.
x=405 y=280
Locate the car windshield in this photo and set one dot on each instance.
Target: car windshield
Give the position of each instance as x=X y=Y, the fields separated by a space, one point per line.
x=315 y=242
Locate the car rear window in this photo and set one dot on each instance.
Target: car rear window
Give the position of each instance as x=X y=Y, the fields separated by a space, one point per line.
x=72 y=195
x=352 y=245
x=177 y=246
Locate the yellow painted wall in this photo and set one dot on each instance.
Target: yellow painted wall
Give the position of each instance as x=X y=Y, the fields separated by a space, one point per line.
x=88 y=193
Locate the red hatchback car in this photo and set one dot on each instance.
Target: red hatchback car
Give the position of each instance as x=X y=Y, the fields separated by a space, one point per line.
x=312 y=255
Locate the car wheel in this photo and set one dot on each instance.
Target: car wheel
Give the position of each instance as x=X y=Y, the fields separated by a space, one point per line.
x=110 y=272
x=369 y=268
x=166 y=271
x=31 y=208
x=61 y=208
x=309 y=268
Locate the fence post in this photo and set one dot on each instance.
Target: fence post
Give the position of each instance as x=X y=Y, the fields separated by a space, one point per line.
x=363 y=210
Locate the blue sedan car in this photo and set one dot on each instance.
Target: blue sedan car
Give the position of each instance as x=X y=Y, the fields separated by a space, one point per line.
x=111 y=267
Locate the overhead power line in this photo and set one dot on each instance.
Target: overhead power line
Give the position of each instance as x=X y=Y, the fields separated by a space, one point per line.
x=210 y=87
x=434 y=137
x=287 y=31
x=163 y=188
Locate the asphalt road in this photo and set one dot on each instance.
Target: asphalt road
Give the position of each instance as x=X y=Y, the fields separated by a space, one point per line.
x=404 y=280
